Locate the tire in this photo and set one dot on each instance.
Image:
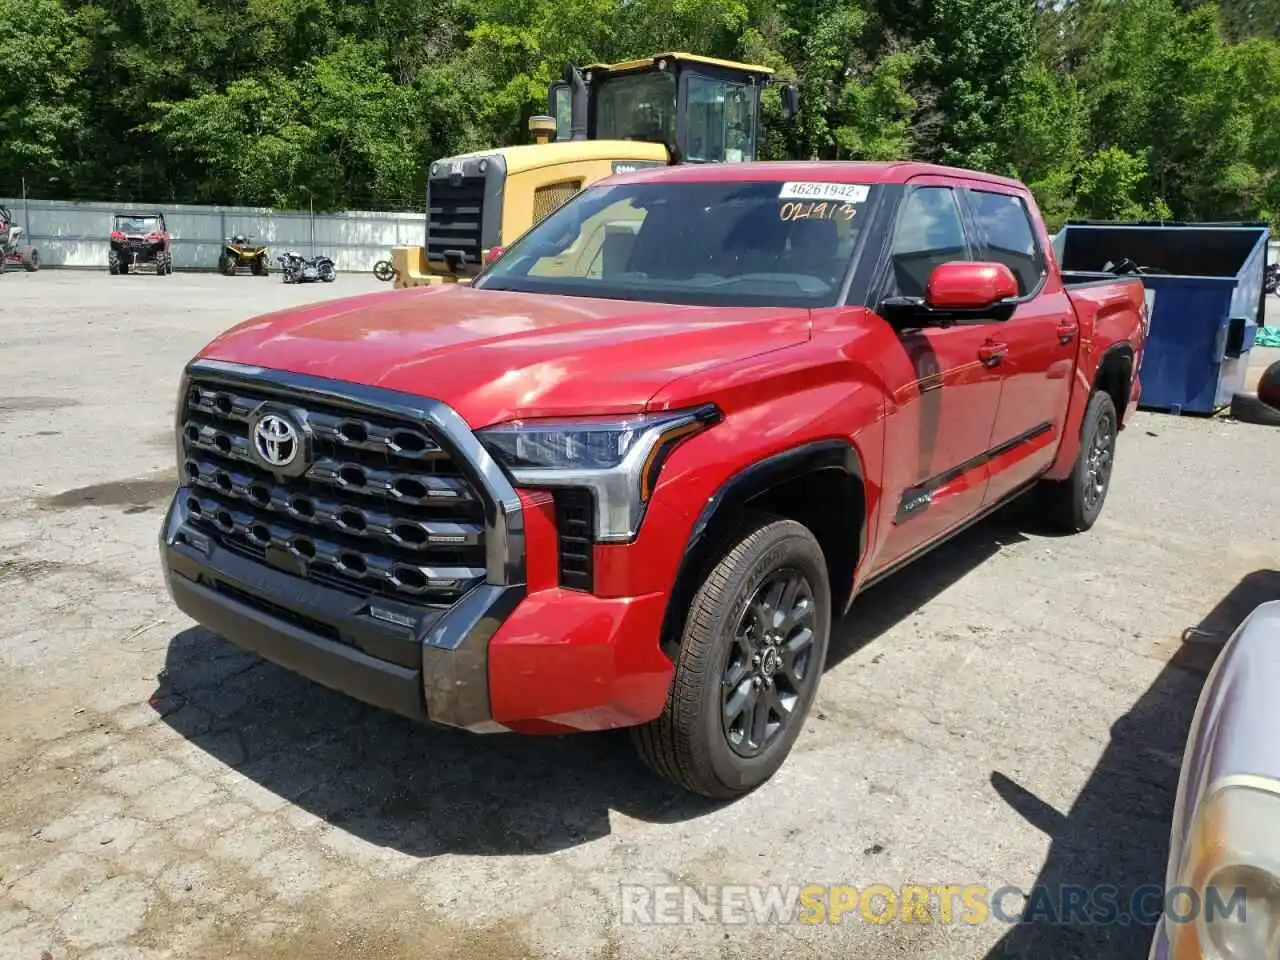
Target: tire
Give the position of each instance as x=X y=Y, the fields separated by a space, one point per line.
x=113 y=263
x=32 y=262
x=690 y=743
x=1074 y=504
x=1248 y=408
x=384 y=270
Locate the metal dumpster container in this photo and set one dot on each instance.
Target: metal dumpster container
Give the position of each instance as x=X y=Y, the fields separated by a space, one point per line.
x=1204 y=287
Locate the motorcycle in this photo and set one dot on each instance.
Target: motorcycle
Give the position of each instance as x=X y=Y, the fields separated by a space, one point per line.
x=295 y=268
x=1271 y=281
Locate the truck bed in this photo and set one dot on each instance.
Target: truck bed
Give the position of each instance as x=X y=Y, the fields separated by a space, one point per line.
x=1075 y=279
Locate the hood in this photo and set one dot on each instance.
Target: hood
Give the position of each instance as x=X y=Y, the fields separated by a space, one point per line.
x=496 y=355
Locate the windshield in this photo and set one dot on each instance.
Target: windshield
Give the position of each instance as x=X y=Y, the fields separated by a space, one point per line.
x=718 y=244
x=138 y=224
x=637 y=106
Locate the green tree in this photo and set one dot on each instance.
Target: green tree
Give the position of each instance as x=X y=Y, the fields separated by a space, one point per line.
x=42 y=104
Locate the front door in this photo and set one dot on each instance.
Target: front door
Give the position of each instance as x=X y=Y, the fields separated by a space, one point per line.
x=944 y=385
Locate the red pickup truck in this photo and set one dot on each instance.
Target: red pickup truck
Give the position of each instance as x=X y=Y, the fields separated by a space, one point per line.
x=633 y=473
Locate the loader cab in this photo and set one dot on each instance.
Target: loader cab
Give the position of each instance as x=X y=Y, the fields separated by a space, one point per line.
x=704 y=110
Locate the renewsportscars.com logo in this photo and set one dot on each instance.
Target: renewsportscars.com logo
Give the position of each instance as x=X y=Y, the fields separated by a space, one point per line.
x=968 y=904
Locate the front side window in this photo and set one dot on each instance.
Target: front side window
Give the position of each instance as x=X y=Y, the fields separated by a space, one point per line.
x=721 y=121
x=1006 y=236
x=638 y=106
x=712 y=243
x=929 y=232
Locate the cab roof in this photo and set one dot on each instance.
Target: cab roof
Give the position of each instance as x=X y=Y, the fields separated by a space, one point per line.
x=647 y=63
x=829 y=171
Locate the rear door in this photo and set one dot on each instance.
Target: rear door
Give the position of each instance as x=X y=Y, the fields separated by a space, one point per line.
x=1041 y=339
x=943 y=395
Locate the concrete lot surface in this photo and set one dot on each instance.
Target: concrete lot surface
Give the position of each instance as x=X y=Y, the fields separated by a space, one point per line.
x=1009 y=711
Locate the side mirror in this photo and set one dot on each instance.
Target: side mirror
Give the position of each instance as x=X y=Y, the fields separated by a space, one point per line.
x=560 y=106
x=962 y=291
x=965 y=285
x=790 y=102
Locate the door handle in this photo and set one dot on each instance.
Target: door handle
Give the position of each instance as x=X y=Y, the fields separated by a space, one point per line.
x=1067 y=331
x=991 y=353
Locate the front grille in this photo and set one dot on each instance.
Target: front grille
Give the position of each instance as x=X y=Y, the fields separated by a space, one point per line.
x=382 y=509
x=575 y=522
x=455 y=218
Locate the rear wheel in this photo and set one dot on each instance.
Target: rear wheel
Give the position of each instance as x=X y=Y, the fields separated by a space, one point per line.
x=384 y=270
x=32 y=261
x=1074 y=504
x=113 y=262
x=749 y=665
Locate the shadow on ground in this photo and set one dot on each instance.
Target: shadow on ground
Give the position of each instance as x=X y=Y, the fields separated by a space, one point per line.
x=1117 y=832
x=885 y=605
x=426 y=791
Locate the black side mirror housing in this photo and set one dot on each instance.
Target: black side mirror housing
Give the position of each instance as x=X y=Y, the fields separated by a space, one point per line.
x=790 y=102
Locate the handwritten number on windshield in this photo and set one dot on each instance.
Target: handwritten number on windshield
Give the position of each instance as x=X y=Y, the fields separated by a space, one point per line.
x=814 y=210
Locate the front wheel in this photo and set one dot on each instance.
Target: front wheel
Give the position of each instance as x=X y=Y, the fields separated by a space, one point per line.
x=327 y=273
x=750 y=660
x=384 y=270
x=32 y=261
x=1074 y=504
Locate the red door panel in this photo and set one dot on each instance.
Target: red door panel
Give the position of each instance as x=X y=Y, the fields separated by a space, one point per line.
x=938 y=429
x=1040 y=340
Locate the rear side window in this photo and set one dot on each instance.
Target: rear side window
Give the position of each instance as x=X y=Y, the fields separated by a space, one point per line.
x=1006 y=235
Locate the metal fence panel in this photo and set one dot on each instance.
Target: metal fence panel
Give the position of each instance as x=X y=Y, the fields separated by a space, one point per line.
x=76 y=234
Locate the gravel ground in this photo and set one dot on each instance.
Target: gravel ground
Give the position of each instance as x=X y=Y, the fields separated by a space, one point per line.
x=1009 y=711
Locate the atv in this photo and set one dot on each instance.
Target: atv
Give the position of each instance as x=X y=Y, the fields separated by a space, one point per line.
x=140 y=240
x=238 y=253
x=13 y=250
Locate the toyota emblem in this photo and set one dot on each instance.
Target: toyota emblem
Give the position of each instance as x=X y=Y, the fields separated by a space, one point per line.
x=276 y=440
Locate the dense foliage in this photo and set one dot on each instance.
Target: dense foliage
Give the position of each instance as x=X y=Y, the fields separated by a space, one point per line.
x=1109 y=108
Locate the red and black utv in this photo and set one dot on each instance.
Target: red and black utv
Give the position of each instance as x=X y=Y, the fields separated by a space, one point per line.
x=140 y=240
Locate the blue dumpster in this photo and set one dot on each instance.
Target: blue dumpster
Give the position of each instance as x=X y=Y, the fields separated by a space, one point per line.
x=1204 y=288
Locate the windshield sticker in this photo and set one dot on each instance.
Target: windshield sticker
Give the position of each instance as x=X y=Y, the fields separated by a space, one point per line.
x=809 y=210
x=839 y=192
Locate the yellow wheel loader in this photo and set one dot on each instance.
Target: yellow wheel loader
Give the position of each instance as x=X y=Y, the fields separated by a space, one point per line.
x=605 y=119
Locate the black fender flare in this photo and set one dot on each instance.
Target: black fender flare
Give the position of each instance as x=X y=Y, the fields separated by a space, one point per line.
x=1121 y=352
x=740 y=488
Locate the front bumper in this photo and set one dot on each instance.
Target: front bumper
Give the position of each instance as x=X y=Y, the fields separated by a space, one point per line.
x=501 y=658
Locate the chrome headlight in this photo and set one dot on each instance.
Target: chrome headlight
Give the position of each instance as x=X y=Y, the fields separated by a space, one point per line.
x=1231 y=865
x=617 y=458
